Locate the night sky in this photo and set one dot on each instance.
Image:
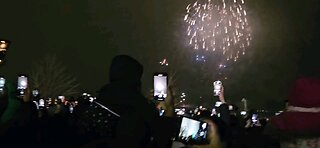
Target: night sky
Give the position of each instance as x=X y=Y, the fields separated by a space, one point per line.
x=85 y=35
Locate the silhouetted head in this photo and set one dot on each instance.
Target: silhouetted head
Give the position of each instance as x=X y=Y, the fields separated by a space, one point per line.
x=126 y=70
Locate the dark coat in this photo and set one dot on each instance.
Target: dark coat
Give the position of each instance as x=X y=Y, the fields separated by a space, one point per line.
x=139 y=123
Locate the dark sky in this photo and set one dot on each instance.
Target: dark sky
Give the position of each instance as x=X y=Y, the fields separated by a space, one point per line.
x=85 y=35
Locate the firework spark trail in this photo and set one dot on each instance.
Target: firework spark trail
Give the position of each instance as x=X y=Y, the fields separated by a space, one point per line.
x=220 y=26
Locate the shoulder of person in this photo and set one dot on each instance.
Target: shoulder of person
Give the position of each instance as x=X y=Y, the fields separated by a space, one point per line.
x=282 y=135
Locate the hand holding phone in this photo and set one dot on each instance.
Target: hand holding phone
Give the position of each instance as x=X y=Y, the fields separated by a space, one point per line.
x=213 y=137
x=193 y=131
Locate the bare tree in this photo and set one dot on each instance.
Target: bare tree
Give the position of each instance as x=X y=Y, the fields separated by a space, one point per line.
x=52 y=79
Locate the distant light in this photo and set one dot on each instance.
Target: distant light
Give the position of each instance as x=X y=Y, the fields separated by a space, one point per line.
x=2 y=81
x=71 y=109
x=180 y=112
x=3 y=45
x=61 y=97
x=213 y=112
x=243 y=113
x=230 y=107
x=200 y=58
x=183 y=95
x=218 y=103
x=222 y=66
x=91 y=99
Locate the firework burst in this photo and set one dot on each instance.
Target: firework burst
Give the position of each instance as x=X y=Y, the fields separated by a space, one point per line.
x=220 y=26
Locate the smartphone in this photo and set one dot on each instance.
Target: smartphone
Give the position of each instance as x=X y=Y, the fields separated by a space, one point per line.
x=41 y=103
x=35 y=93
x=217 y=86
x=160 y=82
x=2 y=83
x=254 y=118
x=71 y=108
x=61 y=99
x=193 y=131
x=22 y=85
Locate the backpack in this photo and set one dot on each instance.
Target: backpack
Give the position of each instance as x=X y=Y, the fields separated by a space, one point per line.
x=95 y=121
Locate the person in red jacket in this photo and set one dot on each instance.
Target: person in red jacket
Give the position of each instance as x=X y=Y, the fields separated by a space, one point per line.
x=299 y=124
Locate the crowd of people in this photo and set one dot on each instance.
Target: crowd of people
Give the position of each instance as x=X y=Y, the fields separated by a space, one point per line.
x=122 y=116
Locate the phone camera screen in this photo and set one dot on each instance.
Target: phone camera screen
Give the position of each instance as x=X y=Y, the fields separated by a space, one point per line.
x=35 y=93
x=160 y=86
x=217 y=87
x=2 y=82
x=254 y=118
x=41 y=102
x=22 y=82
x=22 y=85
x=193 y=131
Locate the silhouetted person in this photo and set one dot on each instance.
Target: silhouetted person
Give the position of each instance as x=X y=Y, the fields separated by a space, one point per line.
x=140 y=124
x=18 y=121
x=299 y=125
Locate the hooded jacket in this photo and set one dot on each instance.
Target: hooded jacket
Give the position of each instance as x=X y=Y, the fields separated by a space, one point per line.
x=138 y=118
